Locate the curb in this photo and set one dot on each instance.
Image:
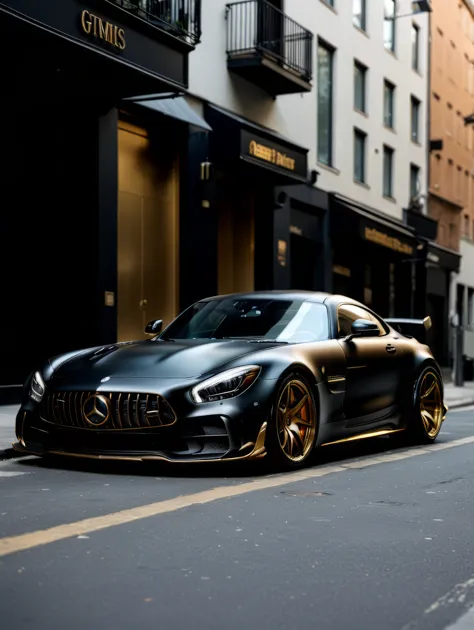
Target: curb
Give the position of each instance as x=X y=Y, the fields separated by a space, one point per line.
x=457 y=404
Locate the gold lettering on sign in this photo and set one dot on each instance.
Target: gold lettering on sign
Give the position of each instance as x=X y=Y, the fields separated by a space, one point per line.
x=272 y=156
x=107 y=32
x=373 y=235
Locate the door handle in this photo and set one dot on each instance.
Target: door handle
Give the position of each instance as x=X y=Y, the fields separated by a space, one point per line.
x=143 y=304
x=390 y=348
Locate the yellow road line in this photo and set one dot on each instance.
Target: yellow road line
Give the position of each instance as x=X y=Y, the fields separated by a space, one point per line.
x=23 y=542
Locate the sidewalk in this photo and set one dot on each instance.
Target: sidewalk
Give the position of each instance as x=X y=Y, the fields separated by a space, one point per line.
x=459 y=396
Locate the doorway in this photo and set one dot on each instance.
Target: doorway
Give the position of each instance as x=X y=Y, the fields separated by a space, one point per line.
x=147 y=233
x=303 y=259
x=435 y=337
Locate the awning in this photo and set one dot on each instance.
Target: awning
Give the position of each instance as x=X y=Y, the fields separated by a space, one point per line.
x=443 y=257
x=175 y=107
x=371 y=225
x=243 y=144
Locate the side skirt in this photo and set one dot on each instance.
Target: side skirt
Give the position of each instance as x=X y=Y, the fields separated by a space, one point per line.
x=365 y=435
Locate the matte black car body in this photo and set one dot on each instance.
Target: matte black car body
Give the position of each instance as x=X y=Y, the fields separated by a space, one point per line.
x=360 y=387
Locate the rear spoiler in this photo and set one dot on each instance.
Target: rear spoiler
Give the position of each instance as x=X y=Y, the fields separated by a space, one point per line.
x=416 y=328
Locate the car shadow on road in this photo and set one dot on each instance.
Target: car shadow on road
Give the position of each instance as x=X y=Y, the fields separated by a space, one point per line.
x=335 y=454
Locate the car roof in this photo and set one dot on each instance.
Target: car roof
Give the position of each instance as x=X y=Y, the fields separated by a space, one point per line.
x=307 y=296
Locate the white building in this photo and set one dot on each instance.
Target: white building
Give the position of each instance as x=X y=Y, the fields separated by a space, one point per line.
x=366 y=111
x=331 y=95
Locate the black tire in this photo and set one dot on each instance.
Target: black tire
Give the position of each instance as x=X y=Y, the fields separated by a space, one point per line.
x=290 y=444
x=427 y=410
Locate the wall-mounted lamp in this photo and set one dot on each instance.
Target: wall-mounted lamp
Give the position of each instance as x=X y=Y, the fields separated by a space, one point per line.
x=417 y=6
x=469 y=120
x=313 y=177
x=206 y=168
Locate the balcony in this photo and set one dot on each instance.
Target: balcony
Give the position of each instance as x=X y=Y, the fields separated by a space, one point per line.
x=179 y=18
x=266 y=47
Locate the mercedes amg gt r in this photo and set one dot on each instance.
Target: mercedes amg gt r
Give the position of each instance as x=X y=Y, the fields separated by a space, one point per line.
x=239 y=377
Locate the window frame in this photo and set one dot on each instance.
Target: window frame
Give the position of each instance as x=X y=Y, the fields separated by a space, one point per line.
x=372 y=317
x=359 y=133
x=391 y=90
x=415 y=47
x=363 y=15
x=392 y=21
x=362 y=69
x=415 y=109
x=330 y=143
x=388 y=150
x=417 y=169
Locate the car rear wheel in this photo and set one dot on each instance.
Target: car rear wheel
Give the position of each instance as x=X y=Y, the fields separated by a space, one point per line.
x=428 y=409
x=293 y=424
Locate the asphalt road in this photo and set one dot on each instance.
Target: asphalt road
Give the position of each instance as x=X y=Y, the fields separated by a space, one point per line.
x=373 y=537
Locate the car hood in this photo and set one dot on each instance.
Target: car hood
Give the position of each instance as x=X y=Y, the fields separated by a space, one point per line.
x=157 y=359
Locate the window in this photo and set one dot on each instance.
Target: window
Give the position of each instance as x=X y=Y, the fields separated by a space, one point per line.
x=359 y=156
x=387 y=172
x=347 y=314
x=415 y=119
x=330 y=2
x=390 y=8
x=325 y=93
x=359 y=15
x=290 y=320
x=360 y=76
x=414 y=181
x=389 y=105
x=466 y=226
x=470 y=308
x=415 y=47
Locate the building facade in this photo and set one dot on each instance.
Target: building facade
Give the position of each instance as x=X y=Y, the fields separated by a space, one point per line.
x=347 y=83
x=91 y=174
x=451 y=190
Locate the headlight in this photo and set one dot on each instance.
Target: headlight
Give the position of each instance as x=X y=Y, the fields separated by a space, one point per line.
x=226 y=385
x=37 y=387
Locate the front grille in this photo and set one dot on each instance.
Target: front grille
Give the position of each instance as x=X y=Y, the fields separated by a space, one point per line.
x=122 y=410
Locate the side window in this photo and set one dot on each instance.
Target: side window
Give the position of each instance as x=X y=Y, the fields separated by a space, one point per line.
x=348 y=313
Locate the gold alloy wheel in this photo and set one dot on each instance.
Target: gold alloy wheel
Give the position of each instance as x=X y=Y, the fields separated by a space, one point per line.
x=296 y=421
x=431 y=404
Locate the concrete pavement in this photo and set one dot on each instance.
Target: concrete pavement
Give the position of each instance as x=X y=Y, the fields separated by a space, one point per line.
x=459 y=396
x=368 y=538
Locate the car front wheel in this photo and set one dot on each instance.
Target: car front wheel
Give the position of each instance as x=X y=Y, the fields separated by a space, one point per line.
x=293 y=424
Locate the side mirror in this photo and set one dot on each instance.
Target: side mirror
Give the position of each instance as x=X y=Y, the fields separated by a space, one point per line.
x=363 y=328
x=154 y=327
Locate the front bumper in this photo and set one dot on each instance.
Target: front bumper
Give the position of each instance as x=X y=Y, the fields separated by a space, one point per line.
x=228 y=430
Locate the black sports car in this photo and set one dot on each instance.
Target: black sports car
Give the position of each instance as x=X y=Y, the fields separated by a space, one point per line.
x=238 y=377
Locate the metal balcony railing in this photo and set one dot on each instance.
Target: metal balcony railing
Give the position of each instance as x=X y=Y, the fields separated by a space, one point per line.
x=256 y=26
x=181 y=18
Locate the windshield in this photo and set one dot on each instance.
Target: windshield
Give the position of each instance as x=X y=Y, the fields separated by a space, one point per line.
x=260 y=319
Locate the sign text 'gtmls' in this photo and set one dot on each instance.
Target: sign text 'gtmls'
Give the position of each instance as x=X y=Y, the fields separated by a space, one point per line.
x=106 y=31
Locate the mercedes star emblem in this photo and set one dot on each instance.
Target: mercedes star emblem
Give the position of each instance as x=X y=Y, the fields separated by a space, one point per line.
x=96 y=410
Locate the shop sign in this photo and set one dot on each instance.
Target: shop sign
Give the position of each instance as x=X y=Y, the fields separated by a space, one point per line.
x=263 y=152
x=94 y=26
x=273 y=154
x=281 y=257
x=433 y=258
x=294 y=229
x=391 y=242
x=340 y=270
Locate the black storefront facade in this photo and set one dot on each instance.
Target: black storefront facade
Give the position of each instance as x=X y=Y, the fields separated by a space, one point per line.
x=66 y=69
x=254 y=220
x=441 y=264
x=373 y=258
